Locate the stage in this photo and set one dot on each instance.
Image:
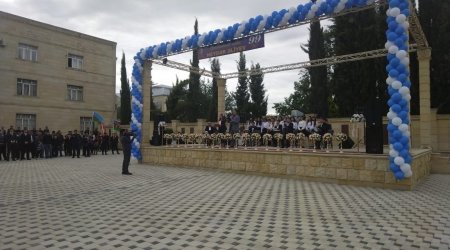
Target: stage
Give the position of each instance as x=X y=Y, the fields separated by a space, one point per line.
x=347 y=168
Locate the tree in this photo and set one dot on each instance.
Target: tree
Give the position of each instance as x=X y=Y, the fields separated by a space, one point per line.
x=433 y=15
x=194 y=93
x=241 y=96
x=300 y=99
x=177 y=102
x=318 y=75
x=215 y=67
x=354 y=83
x=125 y=95
x=258 y=106
x=230 y=103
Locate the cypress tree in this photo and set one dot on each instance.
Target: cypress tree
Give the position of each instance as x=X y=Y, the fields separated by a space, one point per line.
x=241 y=95
x=257 y=91
x=215 y=67
x=125 y=95
x=318 y=75
x=194 y=93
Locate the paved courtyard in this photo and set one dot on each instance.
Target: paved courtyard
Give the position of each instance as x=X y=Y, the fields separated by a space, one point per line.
x=86 y=203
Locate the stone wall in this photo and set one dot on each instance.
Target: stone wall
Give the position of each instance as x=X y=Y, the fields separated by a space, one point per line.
x=349 y=169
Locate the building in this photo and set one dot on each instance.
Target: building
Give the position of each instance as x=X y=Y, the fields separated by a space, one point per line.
x=160 y=93
x=54 y=77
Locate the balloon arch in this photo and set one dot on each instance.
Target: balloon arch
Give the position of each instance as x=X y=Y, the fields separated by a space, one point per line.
x=397 y=46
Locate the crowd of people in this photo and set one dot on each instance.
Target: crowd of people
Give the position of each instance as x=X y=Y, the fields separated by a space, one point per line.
x=271 y=125
x=24 y=144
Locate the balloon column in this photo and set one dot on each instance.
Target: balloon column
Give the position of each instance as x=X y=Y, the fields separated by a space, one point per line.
x=399 y=84
x=277 y=20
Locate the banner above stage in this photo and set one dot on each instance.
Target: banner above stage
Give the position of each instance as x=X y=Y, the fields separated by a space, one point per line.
x=236 y=46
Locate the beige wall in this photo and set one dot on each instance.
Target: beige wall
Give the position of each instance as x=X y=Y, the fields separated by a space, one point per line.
x=440 y=129
x=52 y=74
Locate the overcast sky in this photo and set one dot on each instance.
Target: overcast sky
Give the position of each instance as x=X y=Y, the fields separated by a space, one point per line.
x=135 y=24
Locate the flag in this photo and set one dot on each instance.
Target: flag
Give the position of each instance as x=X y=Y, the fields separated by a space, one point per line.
x=97 y=117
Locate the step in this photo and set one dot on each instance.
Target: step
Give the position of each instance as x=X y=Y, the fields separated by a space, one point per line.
x=440 y=163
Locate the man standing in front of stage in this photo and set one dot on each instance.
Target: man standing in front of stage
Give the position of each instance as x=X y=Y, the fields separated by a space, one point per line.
x=126 y=141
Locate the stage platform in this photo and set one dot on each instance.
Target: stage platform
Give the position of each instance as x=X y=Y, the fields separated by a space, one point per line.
x=348 y=167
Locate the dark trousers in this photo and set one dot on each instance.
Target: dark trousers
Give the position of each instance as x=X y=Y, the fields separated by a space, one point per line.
x=75 y=151
x=3 y=152
x=25 y=150
x=126 y=161
x=15 y=153
x=86 y=151
x=114 y=148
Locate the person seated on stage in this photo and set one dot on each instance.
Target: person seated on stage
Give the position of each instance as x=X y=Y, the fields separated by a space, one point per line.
x=265 y=126
x=323 y=127
x=295 y=124
x=258 y=125
x=210 y=129
x=222 y=124
x=311 y=125
x=301 y=127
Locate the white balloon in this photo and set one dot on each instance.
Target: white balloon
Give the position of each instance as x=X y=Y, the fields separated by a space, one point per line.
x=403 y=127
x=393 y=153
x=393 y=49
x=397 y=121
x=169 y=48
x=404 y=91
x=391 y=115
x=388 y=44
x=401 y=54
x=405 y=61
x=407 y=134
x=405 y=25
x=400 y=18
x=399 y=161
x=390 y=80
x=155 y=51
x=394 y=12
x=407 y=97
x=408 y=174
x=396 y=85
x=405 y=167
x=315 y=7
x=369 y=2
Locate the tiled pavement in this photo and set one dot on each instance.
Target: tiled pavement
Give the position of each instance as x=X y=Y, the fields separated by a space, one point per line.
x=70 y=203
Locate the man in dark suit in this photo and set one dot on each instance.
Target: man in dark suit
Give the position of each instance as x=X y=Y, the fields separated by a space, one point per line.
x=75 y=143
x=126 y=141
x=210 y=129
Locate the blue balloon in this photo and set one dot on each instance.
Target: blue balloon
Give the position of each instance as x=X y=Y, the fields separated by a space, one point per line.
x=392 y=36
x=402 y=77
x=407 y=83
x=404 y=153
x=404 y=104
x=400 y=30
x=399 y=175
x=391 y=102
x=408 y=159
x=397 y=134
x=394 y=168
x=397 y=98
x=401 y=69
x=389 y=68
x=390 y=56
x=394 y=62
x=391 y=127
x=398 y=146
x=403 y=5
x=403 y=115
x=396 y=108
x=406 y=12
x=404 y=141
x=394 y=3
x=393 y=73
x=392 y=25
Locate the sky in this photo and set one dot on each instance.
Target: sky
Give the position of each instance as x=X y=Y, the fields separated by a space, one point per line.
x=136 y=24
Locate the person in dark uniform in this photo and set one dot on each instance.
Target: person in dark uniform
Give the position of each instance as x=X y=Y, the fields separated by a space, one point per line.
x=47 y=142
x=115 y=144
x=15 y=151
x=126 y=141
x=75 y=143
x=67 y=148
x=60 y=140
x=29 y=143
x=85 y=143
x=3 y=145
x=105 y=144
x=54 y=144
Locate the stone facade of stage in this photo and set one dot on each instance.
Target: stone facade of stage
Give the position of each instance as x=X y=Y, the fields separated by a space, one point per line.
x=351 y=169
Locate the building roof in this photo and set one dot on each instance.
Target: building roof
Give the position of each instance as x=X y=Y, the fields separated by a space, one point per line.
x=31 y=22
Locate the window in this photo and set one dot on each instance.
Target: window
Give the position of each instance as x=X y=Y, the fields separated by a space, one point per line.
x=27 y=52
x=27 y=121
x=75 y=62
x=26 y=87
x=74 y=93
x=85 y=123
